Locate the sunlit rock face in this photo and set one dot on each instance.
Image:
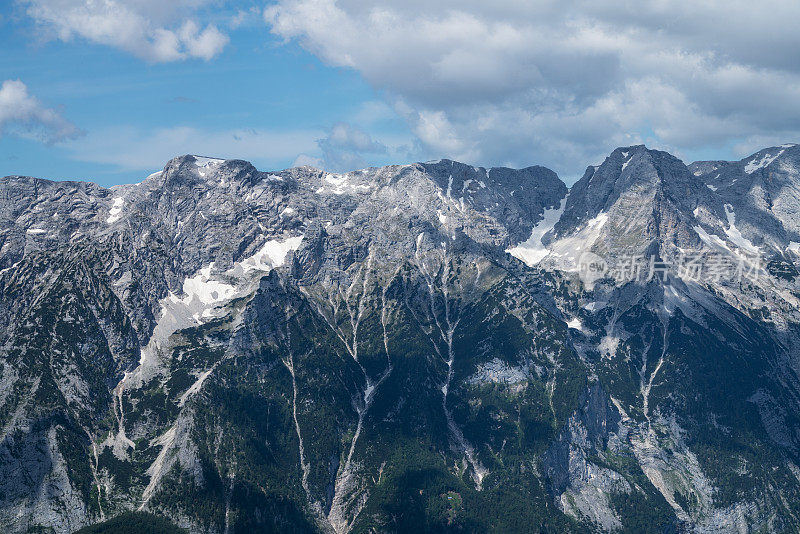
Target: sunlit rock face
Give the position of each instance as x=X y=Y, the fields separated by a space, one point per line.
x=433 y=346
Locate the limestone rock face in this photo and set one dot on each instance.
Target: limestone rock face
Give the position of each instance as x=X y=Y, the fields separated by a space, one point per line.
x=405 y=347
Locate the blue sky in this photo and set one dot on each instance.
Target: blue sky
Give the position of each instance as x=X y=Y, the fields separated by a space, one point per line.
x=257 y=83
x=109 y=90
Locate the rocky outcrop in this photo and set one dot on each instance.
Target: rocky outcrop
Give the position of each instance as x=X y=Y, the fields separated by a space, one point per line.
x=309 y=351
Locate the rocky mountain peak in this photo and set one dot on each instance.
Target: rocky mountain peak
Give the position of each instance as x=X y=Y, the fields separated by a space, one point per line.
x=762 y=189
x=348 y=352
x=519 y=194
x=631 y=174
x=191 y=169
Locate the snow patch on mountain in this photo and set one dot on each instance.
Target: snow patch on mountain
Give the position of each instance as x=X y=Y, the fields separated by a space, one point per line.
x=202 y=161
x=205 y=293
x=533 y=250
x=115 y=213
x=735 y=235
x=713 y=241
x=756 y=163
x=566 y=252
x=338 y=181
x=598 y=222
x=627 y=162
x=205 y=164
x=575 y=323
x=594 y=306
x=340 y=184
x=203 y=289
x=608 y=345
x=272 y=254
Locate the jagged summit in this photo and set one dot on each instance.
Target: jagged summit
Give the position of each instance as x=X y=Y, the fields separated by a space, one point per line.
x=299 y=350
x=762 y=189
x=628 y=175
x=187 y=169
x=763 y=159
x=195 y=198
x=637 y=202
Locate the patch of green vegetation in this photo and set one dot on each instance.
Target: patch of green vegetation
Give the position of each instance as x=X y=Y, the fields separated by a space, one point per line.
x=454 y=505
x=134 y=523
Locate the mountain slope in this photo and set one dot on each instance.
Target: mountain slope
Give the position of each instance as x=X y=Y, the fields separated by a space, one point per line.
x=308 y=351
x=762 y=189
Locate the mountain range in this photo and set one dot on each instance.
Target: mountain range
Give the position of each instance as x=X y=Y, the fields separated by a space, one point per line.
x=434 y=346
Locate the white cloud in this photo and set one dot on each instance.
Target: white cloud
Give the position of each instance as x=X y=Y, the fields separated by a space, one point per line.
x=562 y=82
x=154 y=30
x=373 y=112
x=304 y=160
x=23 y=114
x=244 y=18
x=133 y=149
x=346 y=147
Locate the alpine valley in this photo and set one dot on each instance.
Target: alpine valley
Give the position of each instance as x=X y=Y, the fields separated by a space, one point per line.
x=407 y=348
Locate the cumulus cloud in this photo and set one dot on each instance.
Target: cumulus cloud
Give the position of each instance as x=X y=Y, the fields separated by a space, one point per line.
x=23 y=114
x=346 y=147
x=153 y=30
x=562 y=82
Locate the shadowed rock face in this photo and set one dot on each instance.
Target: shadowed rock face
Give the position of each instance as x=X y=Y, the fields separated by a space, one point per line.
x=308 y=351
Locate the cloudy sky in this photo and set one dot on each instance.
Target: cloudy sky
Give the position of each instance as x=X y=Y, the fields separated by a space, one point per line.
x=109 y=90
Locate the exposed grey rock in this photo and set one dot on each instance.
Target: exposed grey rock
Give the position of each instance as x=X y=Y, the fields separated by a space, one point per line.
x=220 y=344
